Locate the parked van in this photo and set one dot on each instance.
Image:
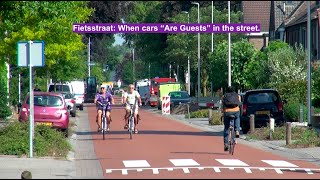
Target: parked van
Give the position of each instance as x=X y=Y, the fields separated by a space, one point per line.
x=79 y=93
x=60 y=87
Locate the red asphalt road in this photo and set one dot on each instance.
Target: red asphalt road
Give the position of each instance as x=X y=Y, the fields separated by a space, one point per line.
x=161 y=139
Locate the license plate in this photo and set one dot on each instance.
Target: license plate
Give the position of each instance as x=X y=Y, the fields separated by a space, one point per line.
x=262 y=112
x=44 y=123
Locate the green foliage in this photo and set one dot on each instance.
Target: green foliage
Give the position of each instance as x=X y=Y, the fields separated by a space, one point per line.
x=216 y=118
x=203 y=113
x=292 y=90
x=308 y=138
x=14 y=140
x=291 y=112
x=278 y=134
x=4 y=109
x=286 y=64
x=241 y=54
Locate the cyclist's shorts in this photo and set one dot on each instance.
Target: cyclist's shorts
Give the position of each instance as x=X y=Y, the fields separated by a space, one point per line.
x=101 y=108
x=136 y=108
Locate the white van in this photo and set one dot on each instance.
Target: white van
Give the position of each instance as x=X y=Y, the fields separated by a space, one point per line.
x=79 y=92
x=60 y=87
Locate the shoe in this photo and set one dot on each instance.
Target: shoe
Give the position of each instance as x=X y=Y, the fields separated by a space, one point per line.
x=108 y=129
x=237 y=134
x=126 y=126
x=226 y=147
x=99 y=129
x=136 y=131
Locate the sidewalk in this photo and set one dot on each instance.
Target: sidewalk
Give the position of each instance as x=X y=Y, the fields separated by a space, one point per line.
x=311 y=155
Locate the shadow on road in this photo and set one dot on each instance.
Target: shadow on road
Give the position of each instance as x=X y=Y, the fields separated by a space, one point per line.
x=154 y=132
x=198 y=153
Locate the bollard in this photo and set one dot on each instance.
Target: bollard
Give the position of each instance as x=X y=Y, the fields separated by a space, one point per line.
x=210 y=114
x=189 y=110
x=288 y=133
x=271 y=126
x=301 y=113
x=252 y=122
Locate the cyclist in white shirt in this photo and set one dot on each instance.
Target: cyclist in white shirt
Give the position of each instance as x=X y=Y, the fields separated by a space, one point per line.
x=130 y=99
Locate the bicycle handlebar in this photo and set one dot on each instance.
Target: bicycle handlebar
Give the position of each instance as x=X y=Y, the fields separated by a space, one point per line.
x=105 y=105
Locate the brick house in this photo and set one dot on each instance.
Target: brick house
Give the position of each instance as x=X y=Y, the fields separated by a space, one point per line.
x=296 y=27
x=271 y=15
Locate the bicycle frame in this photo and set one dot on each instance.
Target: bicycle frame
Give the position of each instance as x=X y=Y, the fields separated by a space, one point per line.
x=104 y=123
x=131 y=120
x=231 y=137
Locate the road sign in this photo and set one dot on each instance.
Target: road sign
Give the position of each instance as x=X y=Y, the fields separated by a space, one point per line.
x=30 y=54
x=36 y=54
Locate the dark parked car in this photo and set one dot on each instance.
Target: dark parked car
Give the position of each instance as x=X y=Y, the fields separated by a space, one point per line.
x=179 y=97
x=262 y=103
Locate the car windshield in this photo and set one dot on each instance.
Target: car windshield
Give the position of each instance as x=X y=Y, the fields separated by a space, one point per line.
x=61 y=88
x=257 y=98
x=179 y=95
x=47 y=100
x=67 y=96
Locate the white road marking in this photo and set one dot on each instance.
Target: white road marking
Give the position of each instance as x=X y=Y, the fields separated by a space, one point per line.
x=136 y=163
x=108 y=171
x=139 y=170
x=185 y=170
x=216 y=169
x=231 y=168
x=262 y=169
x=247 y=170
x=279 y=163
x=201 y=168
x=308 y=171
x=184 y=162
x=124 y=172
x=232 y=162
x=278 y=171
x=155 y=170
x=170 y=169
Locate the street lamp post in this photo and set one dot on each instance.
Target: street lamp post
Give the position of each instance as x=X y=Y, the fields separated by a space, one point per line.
x=188 y=57
x=89 y=68
x=199 y=92
x=309 y=64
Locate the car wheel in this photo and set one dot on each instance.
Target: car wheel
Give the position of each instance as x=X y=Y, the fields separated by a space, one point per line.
x=81 y=108
x=73 y=114
x=65 y=132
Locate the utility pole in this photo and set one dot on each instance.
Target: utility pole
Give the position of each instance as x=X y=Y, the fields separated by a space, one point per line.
x=229 y=48
x=309 y=63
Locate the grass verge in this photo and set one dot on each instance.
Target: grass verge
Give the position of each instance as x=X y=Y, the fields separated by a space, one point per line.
x=302 y=137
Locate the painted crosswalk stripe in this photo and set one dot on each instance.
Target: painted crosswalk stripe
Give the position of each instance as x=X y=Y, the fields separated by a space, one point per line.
x=201 y=168
x=184 y=162
x=108 y=171
x=231 y=162
x=139 y=170
x=248 y=170
x=216 y=169
x=155 y=171
x=136 y=163
x=279 y=163
x=262 y=169
x=124 y=172
x=170 y=169
x=185 y=170
x=308 y=171
x=278 y=171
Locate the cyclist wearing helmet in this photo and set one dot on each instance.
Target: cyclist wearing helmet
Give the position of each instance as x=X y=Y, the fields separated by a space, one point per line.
x=104 y=97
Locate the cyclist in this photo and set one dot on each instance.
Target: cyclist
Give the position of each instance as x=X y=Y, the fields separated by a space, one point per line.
x=230 y=106
x=103 y=97
x=130 y=98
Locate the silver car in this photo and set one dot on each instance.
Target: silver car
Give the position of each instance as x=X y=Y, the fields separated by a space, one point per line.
x=71 y=103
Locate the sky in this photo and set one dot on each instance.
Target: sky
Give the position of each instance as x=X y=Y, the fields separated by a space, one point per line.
x=119 y=39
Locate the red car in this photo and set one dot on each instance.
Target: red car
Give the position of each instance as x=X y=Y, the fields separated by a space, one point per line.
x=49 y=109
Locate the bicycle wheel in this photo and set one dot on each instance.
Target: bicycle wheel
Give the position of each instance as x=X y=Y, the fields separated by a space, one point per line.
x=130 y=127
x=103 y=127
x=233 y=144
x=230 y=140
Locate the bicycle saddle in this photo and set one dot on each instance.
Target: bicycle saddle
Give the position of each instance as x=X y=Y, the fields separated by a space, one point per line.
x=232 y=116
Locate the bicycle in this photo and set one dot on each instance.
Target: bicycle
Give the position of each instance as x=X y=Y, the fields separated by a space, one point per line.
x=231 y=137
x=104 y=125
x=131 y=120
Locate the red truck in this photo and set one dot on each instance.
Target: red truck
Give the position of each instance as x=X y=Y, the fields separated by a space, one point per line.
x=154 y=89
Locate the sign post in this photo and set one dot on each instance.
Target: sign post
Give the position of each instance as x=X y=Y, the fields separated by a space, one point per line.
x=30 y=53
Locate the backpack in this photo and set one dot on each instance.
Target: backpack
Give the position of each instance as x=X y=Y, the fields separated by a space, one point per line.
x=231 y=100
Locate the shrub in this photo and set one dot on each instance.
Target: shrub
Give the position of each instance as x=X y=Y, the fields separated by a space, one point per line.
x=308 y=138
x=216 y=118
x=203 y=113
x=14 y=140
x=4 y=109
x=292 y=113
